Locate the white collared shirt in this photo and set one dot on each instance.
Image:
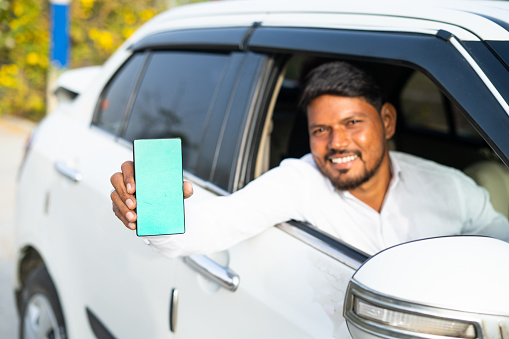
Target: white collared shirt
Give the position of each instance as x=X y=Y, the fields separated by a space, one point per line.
x=424 y=199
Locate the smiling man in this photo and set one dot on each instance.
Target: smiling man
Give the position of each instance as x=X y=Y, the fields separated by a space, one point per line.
x=350 y=185
x=348 y=140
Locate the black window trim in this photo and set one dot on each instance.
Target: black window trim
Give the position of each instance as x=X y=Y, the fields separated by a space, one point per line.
x=130 y=100
x=220 y=38
x=419 y=51
x=132 y=97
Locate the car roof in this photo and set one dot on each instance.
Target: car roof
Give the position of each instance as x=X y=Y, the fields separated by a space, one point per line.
x=467 y=20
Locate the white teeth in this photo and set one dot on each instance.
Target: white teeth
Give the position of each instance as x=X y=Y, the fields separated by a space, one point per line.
x=344 y=159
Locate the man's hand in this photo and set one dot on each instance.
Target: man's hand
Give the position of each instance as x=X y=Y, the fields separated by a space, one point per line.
x=123 y=199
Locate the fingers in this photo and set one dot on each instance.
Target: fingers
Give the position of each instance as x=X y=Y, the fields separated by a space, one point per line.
x=188 y=189
x=128 y=172
x=122 y=197
x=123 y=183
x=123 y=212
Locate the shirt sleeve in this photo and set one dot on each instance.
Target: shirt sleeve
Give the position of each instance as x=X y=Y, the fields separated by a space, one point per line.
x=480 y=218
x=220 y=222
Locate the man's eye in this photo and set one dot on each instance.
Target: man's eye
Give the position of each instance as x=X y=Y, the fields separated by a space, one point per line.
x=353 y=122
x=319 y=131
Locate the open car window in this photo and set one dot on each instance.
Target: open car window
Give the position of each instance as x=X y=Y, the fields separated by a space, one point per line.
x=429 y=126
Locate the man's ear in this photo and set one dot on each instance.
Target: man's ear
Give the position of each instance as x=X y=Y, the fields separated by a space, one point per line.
x=389 y=115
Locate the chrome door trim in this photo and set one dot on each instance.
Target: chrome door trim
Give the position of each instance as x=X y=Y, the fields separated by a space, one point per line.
x=298 y=230
x=68 y=172
x=208 y=268
x=174 y=301
x=454 y=41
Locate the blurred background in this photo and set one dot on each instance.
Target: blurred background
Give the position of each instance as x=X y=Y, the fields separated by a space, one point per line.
x=39 y=40
x=95 y=29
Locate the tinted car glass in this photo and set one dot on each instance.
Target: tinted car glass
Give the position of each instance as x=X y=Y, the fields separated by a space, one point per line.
x=422 y=105
x=115 y=98
x=175 y=98
x=425 y=108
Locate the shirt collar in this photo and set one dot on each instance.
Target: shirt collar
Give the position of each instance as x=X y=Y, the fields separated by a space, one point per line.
x=395 y=171
x=395 y=178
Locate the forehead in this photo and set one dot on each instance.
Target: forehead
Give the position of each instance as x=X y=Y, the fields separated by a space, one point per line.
x=327 y=107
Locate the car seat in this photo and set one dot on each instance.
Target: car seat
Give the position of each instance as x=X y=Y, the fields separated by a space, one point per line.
x=494 y=177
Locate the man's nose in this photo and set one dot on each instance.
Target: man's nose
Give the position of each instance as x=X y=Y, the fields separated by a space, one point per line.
x=339 y=139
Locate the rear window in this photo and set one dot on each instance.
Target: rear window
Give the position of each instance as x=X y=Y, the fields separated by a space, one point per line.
x=114 y=100
x=174 y=99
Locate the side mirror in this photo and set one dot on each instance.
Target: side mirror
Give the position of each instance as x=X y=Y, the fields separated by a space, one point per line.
x=447 y=287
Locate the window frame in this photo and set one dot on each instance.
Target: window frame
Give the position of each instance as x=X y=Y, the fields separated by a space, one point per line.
x=434 y=55
x=411 y=50
x=131 y=96
x=228 y=41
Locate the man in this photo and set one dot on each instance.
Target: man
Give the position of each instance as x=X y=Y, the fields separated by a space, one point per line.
x=350 y=185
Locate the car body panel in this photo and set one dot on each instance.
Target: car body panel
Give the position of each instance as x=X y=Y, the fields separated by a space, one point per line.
x=458 y=13
x=287 y=289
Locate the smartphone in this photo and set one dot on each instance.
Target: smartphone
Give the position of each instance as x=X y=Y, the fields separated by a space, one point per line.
x=159 y=186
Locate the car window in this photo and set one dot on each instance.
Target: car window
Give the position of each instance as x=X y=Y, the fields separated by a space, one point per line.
x=429 y=125
x=462 y=127
x=114 y=100
x=175 y=98
x=422 y=105
x=424 y=108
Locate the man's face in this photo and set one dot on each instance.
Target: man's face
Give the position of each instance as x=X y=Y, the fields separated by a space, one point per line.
x=347 y=139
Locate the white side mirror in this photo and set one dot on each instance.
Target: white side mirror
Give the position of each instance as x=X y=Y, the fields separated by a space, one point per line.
x=448 y=287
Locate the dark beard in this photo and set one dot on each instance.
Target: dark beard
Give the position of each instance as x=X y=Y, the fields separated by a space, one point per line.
x=343 y=185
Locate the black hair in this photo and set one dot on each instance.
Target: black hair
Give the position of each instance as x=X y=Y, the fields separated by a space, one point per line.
x=341 y=79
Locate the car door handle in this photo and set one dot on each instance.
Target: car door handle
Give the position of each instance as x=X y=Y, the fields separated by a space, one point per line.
x=210 y=269
x=68 y=172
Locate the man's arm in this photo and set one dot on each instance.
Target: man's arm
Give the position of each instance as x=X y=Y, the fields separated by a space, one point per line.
x=217 y=223
x=480 y=216
x=122 y=196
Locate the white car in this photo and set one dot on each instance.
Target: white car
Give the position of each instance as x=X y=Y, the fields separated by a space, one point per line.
x=224 y=77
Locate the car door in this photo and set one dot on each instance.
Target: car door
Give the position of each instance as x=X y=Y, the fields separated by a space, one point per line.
x=123 y=287
x=290 y=280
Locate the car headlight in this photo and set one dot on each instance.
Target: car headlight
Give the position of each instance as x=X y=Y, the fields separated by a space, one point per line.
x=393 y=318
x=414 y=322
x=375 y=315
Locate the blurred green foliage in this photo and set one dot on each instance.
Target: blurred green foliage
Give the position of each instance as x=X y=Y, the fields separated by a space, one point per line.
x=97 y=28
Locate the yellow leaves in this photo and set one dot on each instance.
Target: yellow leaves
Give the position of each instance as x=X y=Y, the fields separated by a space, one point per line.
x=127 y=32
x=17 y=9
x=32 y=58
x=24 y=58
x=12 y=69
x=87 y=4
x=147 y=14
x=103 y=39
x=14 y=24
x=129 y=17
x=7 y=75
x=97 y=28
x=35 y=103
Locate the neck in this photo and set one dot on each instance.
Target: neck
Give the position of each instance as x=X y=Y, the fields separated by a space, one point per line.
x=373 y=191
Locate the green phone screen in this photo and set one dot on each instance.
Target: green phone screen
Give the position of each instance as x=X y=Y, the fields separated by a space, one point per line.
x=159 y=186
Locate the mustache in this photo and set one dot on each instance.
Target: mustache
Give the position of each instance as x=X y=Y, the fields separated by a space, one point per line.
x=334 y=152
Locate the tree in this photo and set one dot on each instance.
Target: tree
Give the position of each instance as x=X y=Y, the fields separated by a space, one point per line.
x=97 y=28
